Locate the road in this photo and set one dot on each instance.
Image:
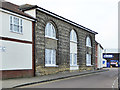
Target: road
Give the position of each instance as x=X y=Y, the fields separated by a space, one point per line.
x=107 y=79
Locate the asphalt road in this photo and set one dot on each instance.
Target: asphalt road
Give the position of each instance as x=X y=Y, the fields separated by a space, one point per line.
x=107 y=79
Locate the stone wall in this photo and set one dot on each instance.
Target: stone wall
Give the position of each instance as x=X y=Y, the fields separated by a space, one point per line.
x=63 y=45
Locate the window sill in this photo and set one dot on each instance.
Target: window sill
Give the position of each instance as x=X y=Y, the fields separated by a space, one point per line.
x=16 y=32
x=74 y=65
x=51 y=37
x=89 y=65
x=51 y=65
x=88 y=46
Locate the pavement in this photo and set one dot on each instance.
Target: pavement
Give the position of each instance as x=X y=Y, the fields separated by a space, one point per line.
x=18 y=82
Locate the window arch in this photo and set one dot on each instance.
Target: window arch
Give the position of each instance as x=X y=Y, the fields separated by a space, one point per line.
x=88 y=42
x=50 y=30
x=73 y=36
x=88 y=54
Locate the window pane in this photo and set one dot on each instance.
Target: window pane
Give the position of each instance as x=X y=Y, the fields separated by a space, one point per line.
x=50 y=30
x=49 y=56
x=21 y=29
x=75 y=59
x=73 y=36
x=46 y=56
x=11 y=27
x=70 y=58
x=10 y=19
x=16 y=24
x=88 y=59
x=15 y=27
x=21 y=22
x=54 y=33
x=88 y=42
x=54 y=57
x=70 y=36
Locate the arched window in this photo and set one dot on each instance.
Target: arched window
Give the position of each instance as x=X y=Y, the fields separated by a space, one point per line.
x=88 y=54
x=73 y=48
x=50 y=53
x=88 y=42
x=73 y=36
x=50 y=31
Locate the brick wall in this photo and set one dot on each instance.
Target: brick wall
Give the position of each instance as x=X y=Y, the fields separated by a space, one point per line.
x=63 y=45
x=16 y=74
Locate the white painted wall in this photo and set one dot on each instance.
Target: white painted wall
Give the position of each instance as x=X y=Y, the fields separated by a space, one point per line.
x=100 y=57
x=31 y=12
x=27 y=28
x=0 y=55
x=0 y=22
x=17 y=56
x=0 y=34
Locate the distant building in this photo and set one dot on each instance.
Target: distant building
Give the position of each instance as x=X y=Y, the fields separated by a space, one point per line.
x=99 y=62
x=16 y=42
x=112 y=56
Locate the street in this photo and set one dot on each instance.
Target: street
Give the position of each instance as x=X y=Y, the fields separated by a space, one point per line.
x=107 y=79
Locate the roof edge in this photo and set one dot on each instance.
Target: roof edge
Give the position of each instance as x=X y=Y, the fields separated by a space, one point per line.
x=60 y=17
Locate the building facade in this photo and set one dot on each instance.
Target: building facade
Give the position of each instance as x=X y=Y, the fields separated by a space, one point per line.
x=16 y=42
x=60 y=44
x=99 y=56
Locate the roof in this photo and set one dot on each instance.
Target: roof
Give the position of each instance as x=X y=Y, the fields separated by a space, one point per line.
x=26 y=7
x=13 y=8
x=99 y=44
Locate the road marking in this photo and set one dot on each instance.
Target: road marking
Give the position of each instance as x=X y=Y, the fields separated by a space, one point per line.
x=114 y=82
x=57 y=80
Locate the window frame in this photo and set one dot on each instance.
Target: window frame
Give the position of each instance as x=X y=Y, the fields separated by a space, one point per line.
x=88 y=56
x=88 y=59
x=15 y=22
x=52 y=58
x=73 y=62
x=50 y=31
x=73 y=36
x=88 y=40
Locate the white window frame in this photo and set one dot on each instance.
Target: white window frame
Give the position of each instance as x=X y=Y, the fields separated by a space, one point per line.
x=73 y=36
x=50 y=31
x=88 y=56
x=88 y=59
x=50 y=57
x=13 y=24
x=73 y=60
x=88 y=42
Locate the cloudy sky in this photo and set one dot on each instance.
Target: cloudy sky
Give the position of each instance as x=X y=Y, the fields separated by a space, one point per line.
x=98 y=15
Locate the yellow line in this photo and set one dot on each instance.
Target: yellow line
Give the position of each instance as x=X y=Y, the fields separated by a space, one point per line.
x=56 y=80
